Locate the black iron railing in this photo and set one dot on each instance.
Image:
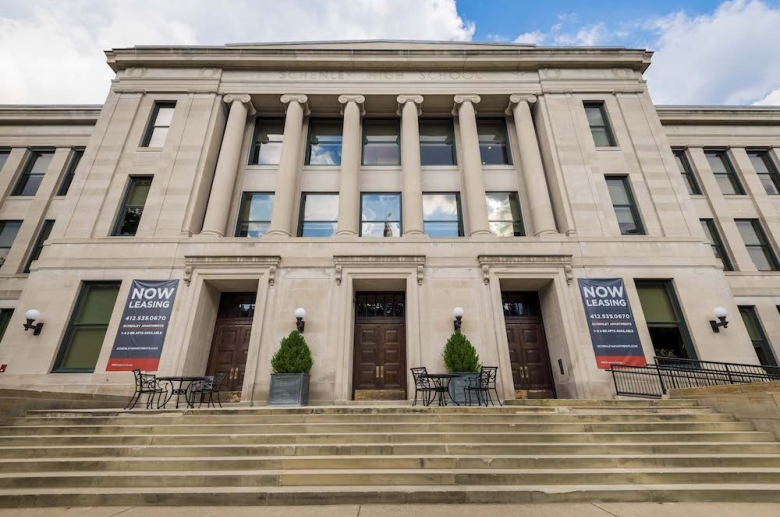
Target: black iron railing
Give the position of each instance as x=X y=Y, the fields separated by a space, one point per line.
x=654 y=380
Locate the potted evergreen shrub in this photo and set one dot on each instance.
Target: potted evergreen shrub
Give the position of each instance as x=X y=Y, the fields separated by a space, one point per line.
x=461 y=358
x=291 y=366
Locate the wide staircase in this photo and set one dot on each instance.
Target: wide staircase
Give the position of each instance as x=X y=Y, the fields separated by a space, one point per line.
x=533 y=451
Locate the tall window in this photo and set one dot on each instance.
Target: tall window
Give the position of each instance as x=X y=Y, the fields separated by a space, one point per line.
x=766 y=170
x=625 y=208
x=4 y=154
x=33 y=173
x=757 y=245
x=319 y=215
x=159 y=123
x=724 y=173
x=43 y=235
x=437 y=142
x=599 y=124
x=665 y=322
x=442 y=215
x=8 y=231
x=133 y=206
x=381 y=142
x=323 y=146
x=254 y=216
x=5 y=317
x=713 y=236
x=687 y=174
x=757 y=336
x=267 y=147
x=75 y=158
x=493 y=142
x=87 y=328
x=380 y=215
x=504 y=214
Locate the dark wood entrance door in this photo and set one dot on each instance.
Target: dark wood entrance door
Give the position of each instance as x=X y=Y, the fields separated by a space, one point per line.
x=230 y=346
x=528 y=353
x=380 y=346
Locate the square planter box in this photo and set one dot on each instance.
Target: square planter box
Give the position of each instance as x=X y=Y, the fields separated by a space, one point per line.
x=457 y=388
x=289 y=389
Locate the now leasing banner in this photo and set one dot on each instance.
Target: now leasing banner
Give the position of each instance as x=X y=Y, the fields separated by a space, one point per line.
x=611 y=322
x=141 y=334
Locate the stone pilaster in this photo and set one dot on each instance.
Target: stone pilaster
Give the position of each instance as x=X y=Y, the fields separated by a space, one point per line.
x=473 y=188
x=287 y=177
x=409 y=110
x=224 y=182
x=531 y=162
x=352 y=142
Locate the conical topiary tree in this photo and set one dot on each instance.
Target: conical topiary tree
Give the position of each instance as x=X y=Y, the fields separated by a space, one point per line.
x=460 y=355
x=293 y=356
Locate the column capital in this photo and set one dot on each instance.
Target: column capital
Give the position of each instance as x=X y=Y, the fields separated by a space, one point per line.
x=357 y=99
x=403 y=99
x=243 y=98
x=462 y=98
x=517 y=98
x=300 y=98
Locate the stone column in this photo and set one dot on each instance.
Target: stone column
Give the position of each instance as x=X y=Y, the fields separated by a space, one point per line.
x=473 y=187
x=224 y=182
x=531 y=161
x=287 y=177
x=351 y=147
x=409 y=110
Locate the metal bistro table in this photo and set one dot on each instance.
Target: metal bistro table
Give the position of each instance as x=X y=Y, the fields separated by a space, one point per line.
x=184 y=384
x=441 y=382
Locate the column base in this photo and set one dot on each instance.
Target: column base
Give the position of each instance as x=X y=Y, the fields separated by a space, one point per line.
x=279 y=233
x=546 y=232
x=211 y=233
x=481 y=232
x=346 y=233
x=414 y=234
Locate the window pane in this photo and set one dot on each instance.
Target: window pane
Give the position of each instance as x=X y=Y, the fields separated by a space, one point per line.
x=440 y=207
x=382 y=229
x=41 y=163
x=668 y=342
x=318 y=229
x=8 y=231
x=321 y=207
x=139 y=191
x=751 y=322
x=626 y=222
x=505 y=229
x=716 y=163
x=748 y=232
x=257 y=207
x=437 y=142
x=680 y=163
x=618 y=191
x=130 y=220
x=656 y=304
x=441 y=229
x=770 y=183
x=324 y=143
x=595 y=116
x=158 y=136
x=492 y=142
x=68 y=179
x=97 y=305
x=268 y=142
x=726 y=184
x=29 y=185
x=757 y=159
x=253 y=229
x=499 y=207
x=601 y=137
x=83 y=348
x=381 y=207
x=164 y=116
x=5 y=318
x=3 y=158
x=381 y=142
x=761 y=259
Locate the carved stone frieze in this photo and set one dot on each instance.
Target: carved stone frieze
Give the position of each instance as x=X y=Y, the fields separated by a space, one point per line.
x=379 y=261
x=487 y=262
x=192 y=262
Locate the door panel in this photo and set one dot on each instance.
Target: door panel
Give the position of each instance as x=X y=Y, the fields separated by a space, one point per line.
x=528 y=354
x=229 y=351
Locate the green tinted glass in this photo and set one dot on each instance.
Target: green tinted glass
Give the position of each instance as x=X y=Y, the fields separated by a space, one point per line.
x=97 y=305
x=656 y=304
x=84 y=348
x=139 y=191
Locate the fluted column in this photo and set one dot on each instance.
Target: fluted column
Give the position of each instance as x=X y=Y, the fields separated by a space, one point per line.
x=473 y=187
x=409 y=110
x=531 y=161
x=287 y=177
x=352 y=140
x=224 y=182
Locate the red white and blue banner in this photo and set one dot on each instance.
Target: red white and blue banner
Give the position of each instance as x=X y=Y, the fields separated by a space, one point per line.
x=611 y=322
x=141 y=334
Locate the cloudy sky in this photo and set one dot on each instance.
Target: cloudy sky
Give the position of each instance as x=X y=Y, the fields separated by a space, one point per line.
x=706 y=51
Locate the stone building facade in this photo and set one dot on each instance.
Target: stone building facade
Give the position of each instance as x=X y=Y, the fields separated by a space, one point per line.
x=379 y=185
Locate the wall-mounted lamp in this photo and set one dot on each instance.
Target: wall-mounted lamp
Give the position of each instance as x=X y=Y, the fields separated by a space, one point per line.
x=32 y=316
x=300 y=313
x=721 y=314
x=457 y=313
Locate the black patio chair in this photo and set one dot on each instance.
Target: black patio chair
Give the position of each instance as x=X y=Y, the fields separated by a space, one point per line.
x=422 y=384
x=206 y=389
x=484 y=383
x=145 y=383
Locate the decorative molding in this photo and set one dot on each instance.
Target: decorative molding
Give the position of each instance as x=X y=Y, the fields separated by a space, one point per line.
x=551 y=73
x=420 y=274
x=338 y=275
x=517 y=98
x=243 y=98
x=223 y=261
x=136 y=72
x=357 y=99
x=403 y=99
x=188 y=275
x=460 y=99
x=300 y=98
x=379 y=261
x=525 y=261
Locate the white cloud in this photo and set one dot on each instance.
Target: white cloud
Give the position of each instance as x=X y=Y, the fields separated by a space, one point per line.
x=535 y=37
x=52 y=51
x=587 y=35
x=773 y=99
x=727 y=57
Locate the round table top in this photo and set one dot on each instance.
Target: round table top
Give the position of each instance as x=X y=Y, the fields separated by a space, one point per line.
x=184 y=379
x=441 y=375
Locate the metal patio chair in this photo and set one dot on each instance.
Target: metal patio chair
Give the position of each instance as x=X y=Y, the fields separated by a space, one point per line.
x=422 y=384
x=206 y=389
x=145 y=383
x=483 y=384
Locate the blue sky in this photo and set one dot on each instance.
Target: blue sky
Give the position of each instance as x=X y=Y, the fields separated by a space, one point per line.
x=706 y=51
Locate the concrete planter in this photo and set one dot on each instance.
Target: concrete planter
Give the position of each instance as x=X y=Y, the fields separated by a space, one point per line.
x=457 y=385
x=289 y=389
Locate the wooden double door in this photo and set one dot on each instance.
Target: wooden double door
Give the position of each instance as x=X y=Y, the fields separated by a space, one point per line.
x=528 y=354
x=230 y=345
x=379 y=370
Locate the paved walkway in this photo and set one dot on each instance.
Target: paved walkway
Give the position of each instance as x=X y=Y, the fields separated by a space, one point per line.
x=513 y=510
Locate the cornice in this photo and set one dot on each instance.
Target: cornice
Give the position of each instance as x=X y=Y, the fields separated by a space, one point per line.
x=719 y=115
x=86 y=114
x=525 y=261
x=379 y=261
x=229 y=261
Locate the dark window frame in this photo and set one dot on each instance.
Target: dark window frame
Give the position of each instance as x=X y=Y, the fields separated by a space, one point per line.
x=681 y=324
x=4 y=222
x=4 y=151
x=422 y=121
x=717 y=243
x=363 y=142
x=253 y=150
x=5 y=318
x=515 y=223
x=152 y=123
x=66 y=343
x=507 y=143
x=731 y=173
x=691 y=182
x=634 y=209
x=400 y=219
x=461 y=229
x=763 y=341
x=26 y=174
x=302 y=213
x=764 y=243
x=606 y=122
x=772 y=174
x=70 y=172
x=313 y=122
x=239 y=221
x=123 y=207
x=43 y=234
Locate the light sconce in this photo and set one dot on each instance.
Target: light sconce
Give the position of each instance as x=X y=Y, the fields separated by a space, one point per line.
x=32 y=316
x=457 y=313
x=300 y=313
x=721 y=314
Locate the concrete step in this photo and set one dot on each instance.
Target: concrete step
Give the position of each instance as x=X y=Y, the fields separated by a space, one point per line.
x=636 y=402
x=366 y=427
x=84 y=450
x=99 y=465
